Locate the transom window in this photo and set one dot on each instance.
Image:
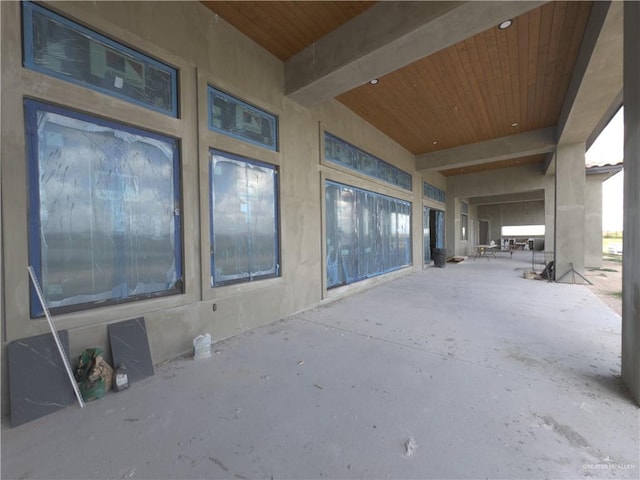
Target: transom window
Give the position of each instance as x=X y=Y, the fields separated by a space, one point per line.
x=235 y=118
x=434 y=193
x=343 y=153
x=59 y=47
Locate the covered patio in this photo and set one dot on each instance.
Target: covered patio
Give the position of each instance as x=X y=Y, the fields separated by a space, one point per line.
x=470 y=371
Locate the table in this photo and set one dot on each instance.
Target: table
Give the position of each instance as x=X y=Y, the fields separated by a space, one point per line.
x=490 y=251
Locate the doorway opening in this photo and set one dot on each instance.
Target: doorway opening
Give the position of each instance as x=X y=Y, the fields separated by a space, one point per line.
x=433 y=231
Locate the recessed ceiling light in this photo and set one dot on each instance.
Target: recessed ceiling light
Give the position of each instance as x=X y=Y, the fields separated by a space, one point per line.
x=514 y=124
x=435 y=142
x=506 y=24
x=373 y=81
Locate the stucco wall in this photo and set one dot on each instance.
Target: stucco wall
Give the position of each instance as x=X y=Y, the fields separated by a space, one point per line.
x=206 y=50
x=521 y=213
x=495 y=182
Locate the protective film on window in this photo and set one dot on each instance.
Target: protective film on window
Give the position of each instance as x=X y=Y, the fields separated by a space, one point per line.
x=464 y=221
x=104 y=211
x=64 y=49
x=343 y=153
x=235 y=118
x=426 y=234
x=244 y=219
x=367 y=234
x=434 y=193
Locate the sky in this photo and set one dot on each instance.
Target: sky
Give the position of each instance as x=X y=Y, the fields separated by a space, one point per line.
x=608 y=148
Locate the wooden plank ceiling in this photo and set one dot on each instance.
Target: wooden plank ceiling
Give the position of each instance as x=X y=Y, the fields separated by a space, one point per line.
x=286 y=28
x=494 y=84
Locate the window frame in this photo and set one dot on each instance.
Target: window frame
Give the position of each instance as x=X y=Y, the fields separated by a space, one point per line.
x=276 y=198
x=31 y=109
x=28 y=9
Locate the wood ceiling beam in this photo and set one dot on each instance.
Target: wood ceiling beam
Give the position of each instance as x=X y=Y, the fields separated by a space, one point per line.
x=503 y=148
x=384 y=38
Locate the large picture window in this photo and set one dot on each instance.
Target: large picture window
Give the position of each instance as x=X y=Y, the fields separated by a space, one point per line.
x=104 y=210
x=367 y=234
x=64 y=49
x=244 y=219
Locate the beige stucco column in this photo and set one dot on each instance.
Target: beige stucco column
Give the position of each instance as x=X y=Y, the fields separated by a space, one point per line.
x=631 y=255
x=593 y=221
x=569 y=205
x=549 y=218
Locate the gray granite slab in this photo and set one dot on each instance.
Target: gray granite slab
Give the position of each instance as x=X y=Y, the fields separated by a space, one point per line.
x=129 y=345
x=38 y=382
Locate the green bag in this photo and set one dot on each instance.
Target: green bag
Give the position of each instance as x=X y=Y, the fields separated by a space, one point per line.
x=93 y=374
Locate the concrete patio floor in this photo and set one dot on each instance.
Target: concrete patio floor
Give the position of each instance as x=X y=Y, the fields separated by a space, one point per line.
x=469 y=371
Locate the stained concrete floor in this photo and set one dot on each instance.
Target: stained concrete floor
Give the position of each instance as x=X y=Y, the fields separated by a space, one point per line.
x=464 y=372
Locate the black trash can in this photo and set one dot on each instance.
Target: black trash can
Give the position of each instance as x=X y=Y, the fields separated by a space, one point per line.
x=439 y=257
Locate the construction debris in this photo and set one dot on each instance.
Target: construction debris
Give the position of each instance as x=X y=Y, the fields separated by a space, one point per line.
x=456 y=259
x=531 y=275
x=410 y=446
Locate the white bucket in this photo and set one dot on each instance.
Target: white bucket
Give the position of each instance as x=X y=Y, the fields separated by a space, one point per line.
x=202 y=346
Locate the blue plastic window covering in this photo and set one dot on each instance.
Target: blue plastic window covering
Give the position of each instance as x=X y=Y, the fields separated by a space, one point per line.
x=426 y=235
x=433 y=231
x=343 y=153
x=59 y=47
x=464 y=221
x=233 y=117
x=434 y=193
x=244 y=219
x=368 y=234
x=439 y=229
x=104 y=210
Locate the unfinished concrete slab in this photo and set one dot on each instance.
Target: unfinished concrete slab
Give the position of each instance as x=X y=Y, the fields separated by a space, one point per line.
x=469 y=371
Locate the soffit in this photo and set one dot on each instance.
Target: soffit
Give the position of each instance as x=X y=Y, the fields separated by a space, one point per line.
x=473 y=91
x=477 y=89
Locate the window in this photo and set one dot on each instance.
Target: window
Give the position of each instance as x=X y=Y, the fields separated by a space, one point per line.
x=464 y=221
x=244 y=219
x=367 y=234
x=233 y=117
x=59 y=47
x=434 y=193
x=104 y=210
x=522 y=231
x=338 y=151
